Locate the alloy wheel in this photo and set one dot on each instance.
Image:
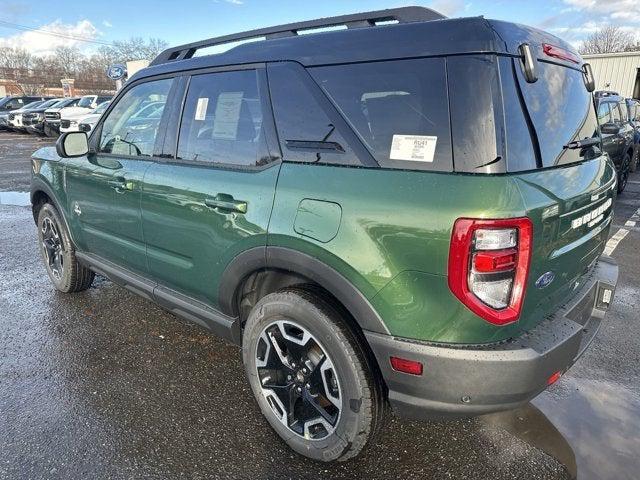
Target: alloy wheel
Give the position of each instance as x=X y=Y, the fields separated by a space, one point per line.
x=298 y=380
x=52 y=247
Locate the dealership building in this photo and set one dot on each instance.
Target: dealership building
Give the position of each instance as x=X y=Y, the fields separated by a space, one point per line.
x=619 y=72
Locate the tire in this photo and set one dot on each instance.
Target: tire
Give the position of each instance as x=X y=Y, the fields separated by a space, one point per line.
x=58 y=253
x=344 y=382
x=636 y=159
x=623 y=175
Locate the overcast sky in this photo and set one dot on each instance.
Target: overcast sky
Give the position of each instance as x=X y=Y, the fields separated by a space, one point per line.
x=184 y=21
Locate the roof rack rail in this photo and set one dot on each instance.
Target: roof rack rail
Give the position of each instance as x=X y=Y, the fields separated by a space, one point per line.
x=356 y=20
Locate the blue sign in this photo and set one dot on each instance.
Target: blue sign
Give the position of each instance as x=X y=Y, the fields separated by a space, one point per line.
x=116 y=72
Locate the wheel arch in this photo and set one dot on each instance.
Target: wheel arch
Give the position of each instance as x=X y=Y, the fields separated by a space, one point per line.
x=40 y=192
x=294 y=268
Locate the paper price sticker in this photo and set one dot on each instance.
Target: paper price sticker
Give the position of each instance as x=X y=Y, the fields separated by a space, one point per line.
x=415 y=148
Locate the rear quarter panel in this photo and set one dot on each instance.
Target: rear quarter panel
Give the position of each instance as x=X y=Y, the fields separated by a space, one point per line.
x=393 y=239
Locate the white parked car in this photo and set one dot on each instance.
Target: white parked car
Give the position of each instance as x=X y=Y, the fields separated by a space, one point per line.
x=85 y=123
x=85 y=106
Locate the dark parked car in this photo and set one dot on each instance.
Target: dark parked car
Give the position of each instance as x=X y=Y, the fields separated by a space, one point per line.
x=409 y=214
x=33 y=118
x=13 y=102
x=617 y=133
x=633 y=108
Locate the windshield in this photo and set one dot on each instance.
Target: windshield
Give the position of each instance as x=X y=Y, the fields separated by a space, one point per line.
x=32 y=105
x=101 y=108
x=85 y=102
x=48 y=103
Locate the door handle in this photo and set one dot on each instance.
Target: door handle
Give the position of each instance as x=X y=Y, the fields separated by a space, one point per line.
x=226 y=202
x=121 y=185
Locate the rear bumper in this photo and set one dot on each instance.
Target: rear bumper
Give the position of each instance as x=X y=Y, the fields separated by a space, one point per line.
x=460 y=381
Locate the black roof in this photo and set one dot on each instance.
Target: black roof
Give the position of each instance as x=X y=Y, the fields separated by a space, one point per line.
x=408 y=39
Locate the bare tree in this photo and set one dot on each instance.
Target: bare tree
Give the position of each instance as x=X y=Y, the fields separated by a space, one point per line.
x=607 y=40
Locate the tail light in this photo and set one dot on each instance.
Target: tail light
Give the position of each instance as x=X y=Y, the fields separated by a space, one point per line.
x=489 y=266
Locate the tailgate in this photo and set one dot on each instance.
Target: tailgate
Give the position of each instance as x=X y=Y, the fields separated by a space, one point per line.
x=572 y=210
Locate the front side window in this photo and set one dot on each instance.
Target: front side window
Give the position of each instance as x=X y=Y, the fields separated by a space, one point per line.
x=222 y=119
x=127 y=130
x=399 y=109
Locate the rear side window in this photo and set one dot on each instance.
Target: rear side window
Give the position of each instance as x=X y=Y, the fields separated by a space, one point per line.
x=222 y=119
x=306 y=132
x=399 y=109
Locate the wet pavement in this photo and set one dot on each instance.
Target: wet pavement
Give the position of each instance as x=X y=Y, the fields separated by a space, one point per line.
x=104 y=384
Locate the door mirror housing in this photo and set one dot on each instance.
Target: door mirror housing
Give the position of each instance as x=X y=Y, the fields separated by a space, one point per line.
x=610 y=129
x=72 y=144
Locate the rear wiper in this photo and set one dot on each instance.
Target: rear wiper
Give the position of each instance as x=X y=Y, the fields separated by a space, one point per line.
x=584 y=143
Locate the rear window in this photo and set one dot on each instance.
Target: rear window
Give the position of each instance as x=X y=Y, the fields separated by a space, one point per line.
x=399 y=109
x=561 y=111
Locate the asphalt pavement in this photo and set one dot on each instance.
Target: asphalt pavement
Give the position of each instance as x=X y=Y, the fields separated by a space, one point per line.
x=105 y=384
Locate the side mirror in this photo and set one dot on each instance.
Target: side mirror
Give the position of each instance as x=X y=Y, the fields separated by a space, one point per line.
x=610 y=129
x=72 y=144
x=589 y=80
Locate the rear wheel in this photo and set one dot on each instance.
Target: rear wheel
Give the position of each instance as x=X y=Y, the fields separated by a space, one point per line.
x=310 y=376
x=64 y=270
x=623 y=175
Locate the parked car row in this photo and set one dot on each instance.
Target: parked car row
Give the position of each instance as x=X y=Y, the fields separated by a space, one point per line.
x=51 y=116
x=619 y=120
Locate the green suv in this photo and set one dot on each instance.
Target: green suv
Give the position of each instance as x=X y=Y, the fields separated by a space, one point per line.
x=409 y=212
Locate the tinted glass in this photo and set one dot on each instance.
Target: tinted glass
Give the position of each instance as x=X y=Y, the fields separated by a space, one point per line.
x=48 y=103
x=604 y=113
x=562 y=111
x=476 y=117
x=125 y=131
x=615 y=113
x=398 y=108
x=306 y=133
x=222 y=119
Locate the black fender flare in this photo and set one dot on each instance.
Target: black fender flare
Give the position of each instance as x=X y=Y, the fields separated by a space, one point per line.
x=38 y=185
x=294 y=261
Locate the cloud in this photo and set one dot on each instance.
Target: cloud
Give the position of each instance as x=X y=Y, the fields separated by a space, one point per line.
x=448 y=7
x=107 y=23
x=626 y=9
x=39 y=43
x=580 y=18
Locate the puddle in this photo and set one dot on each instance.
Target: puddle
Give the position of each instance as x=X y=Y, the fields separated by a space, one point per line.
x=15 y=198
x=590 y=426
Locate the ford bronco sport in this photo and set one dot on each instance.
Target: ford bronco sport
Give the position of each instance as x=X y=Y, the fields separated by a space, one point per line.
x=410 y=211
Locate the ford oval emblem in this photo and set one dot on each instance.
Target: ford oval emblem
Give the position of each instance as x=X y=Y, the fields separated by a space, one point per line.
x=116 y=72
x=545 y=279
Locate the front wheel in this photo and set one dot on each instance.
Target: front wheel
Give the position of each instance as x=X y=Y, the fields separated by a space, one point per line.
x=58 y=253
x=310 y=376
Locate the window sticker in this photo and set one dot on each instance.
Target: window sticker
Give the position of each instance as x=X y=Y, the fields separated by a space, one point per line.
x=201 y=108
x=227 y=116
x=415 y=148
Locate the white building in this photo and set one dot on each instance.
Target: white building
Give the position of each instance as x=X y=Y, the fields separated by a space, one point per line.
x=619 y=72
